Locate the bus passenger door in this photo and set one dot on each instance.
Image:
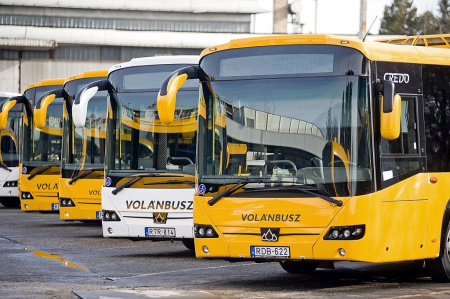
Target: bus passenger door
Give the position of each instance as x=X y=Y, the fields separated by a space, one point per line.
x=404 y=202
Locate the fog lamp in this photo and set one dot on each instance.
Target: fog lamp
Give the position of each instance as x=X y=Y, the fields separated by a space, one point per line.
x=342 y=251
x=205 y=249
x=110 y=230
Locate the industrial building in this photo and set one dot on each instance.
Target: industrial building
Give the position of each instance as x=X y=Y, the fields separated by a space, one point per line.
x=59 y=38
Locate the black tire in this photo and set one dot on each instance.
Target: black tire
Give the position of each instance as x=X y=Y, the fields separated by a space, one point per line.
x=189 y=243
x=439 y=268
x=299 y=267
x=10 y=202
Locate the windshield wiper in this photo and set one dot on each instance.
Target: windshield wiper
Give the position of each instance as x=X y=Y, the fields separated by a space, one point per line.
x=137 y=177
x=239 y=184
x=31 y=176
x=304 y=190
x=5 y=168
x=80 y=176
x=172 y=182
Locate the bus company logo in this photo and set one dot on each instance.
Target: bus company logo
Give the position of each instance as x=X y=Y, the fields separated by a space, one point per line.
x=161 y=205
x=270 y=234
x=47 y=186
x=95 y=192
x=108 y=181
x=397 y=77
x=271 y=217
x=160 y=218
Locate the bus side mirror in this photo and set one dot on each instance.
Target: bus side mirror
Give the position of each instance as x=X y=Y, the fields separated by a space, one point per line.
x=390 y=112
x=79 y=110
x=6 y=106
x=40 y=114
x=41 y=106
x=82 y=98
x=167 y=96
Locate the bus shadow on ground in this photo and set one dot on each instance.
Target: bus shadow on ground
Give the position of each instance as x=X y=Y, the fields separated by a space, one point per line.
x=388 y=275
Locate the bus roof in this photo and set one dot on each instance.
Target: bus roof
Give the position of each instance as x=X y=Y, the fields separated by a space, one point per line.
x=88 y=74
x=375 y=51
x=45 y=83
x=434 y=40
x=156 y=60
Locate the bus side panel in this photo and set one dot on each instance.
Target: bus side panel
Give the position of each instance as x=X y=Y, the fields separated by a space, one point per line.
x=438 y=196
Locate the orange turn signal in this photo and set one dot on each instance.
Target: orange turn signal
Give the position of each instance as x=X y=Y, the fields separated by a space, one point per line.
x=433 y=179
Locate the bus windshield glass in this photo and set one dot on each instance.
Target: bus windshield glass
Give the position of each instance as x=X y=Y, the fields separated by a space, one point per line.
x=139 y=141
x=43 y=146
x=305 y=124
x=9 y=141
x=84 y=148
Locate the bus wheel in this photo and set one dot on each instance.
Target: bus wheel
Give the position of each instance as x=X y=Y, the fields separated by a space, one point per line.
x=439 y=268
x=10 y=202
x=189 y=243
x=299 y=267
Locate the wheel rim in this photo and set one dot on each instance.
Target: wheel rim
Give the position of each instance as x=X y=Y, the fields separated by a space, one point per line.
x=447 y=246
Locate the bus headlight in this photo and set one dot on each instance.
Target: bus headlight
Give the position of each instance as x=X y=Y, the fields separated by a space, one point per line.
x=10 y=184
x=351 y=232
x=204 y=231
x=110 y=216
x=66 y=202
x=26 y=195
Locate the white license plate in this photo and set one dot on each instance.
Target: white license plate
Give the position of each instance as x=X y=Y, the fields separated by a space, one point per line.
x=99 y=215
x=159 y=232
x=270 y=251
x=55 y=206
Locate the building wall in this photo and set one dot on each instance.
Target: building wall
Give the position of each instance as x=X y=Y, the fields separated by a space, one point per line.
x=15 y=75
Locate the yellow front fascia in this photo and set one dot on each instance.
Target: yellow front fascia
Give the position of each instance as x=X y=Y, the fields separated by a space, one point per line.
x=43 y=188
x=86 y=194
x=403 y=222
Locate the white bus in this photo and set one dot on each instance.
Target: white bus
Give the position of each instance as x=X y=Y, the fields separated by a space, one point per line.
x=9 y=158
x=149 y=167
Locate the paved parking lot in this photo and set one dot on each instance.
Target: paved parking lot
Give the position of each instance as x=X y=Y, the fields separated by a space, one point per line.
x=43 y=257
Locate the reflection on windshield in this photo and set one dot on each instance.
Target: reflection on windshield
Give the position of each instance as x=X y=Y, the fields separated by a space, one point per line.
x=86 y=149
x=312 y=131
x=146 y=144
x=44 y=145
x=9 y=140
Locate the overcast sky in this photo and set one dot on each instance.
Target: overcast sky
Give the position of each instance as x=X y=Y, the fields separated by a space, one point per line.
x=337 y=16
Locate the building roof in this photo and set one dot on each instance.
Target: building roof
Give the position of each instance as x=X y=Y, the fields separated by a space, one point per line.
x=194 y=6
x=111 y=37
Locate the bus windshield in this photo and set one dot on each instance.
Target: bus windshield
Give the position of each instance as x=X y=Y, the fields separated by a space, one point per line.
x=307 y=126
x=139 y=142
x=9 y=141
x=84 y=148
x=43 y=146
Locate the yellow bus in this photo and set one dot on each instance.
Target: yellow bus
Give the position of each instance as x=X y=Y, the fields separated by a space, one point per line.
x=346 y=152
x=434 y=40
x=40 y=149
x=9 y=156
x=83 y=149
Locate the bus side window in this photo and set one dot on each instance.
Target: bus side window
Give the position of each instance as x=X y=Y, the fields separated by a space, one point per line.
x=400 y=157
